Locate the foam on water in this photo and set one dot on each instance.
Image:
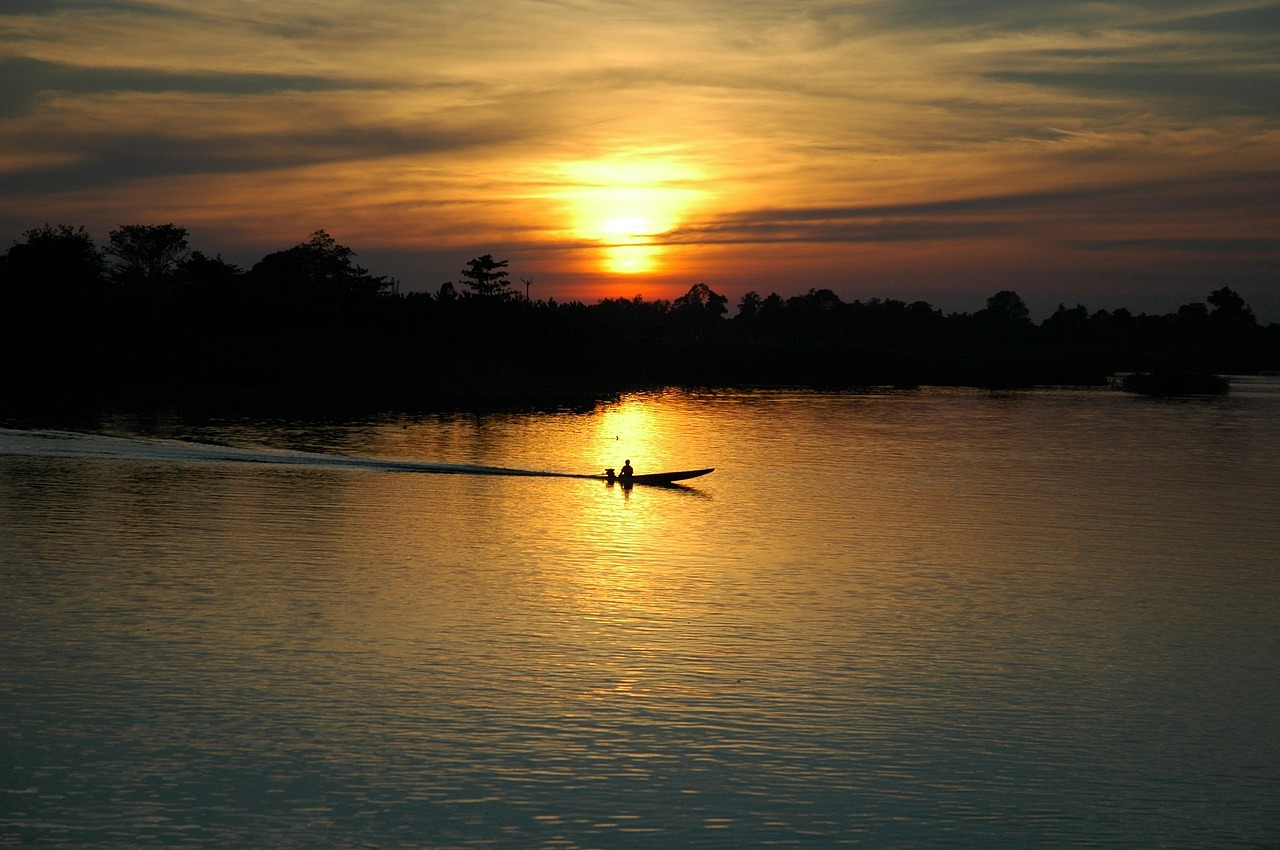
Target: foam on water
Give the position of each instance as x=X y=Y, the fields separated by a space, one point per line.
x=52 y=443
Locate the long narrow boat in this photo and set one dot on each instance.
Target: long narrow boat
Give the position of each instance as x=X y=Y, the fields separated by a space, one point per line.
x=660 y=479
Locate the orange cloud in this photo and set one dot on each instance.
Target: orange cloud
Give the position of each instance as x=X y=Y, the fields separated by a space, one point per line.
x=646 y=148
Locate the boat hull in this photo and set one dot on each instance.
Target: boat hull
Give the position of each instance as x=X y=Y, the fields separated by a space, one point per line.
x=660 y=479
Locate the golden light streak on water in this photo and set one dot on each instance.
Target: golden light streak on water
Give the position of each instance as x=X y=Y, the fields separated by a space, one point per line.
x=931 y=618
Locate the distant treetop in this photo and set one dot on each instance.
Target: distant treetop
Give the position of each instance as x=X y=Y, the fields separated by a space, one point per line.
x=486 y=277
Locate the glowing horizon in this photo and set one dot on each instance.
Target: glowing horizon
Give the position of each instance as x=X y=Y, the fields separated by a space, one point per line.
x=626 y=205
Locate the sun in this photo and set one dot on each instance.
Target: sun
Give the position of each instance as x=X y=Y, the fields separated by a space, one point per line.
x=626 y=205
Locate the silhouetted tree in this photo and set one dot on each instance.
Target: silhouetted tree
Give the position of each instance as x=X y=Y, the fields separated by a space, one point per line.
x=486 y=277
x=772 y=304
x=204 y=272
x=1230 y=310
x=54 y=264
x=309 y=322
x=51 y=311
x=816 y=314
x=1067 y=327
x=147 y=254
x=816 y=301
x=923 y=314
x=760 y=317
x=317 y=268
x=1193 y=318
x=1007 y=306
x=1232 y=331
x=1006 y=321
x=701 y=300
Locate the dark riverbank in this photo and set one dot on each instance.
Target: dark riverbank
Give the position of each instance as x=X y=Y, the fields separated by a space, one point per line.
x=306 y=330
x=406 y=356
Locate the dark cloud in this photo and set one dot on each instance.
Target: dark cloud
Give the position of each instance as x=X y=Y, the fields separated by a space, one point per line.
x=1025 y=213
x=1262 y=22
x=1180 y=56
x=1260 y=246
x=1013 y=15
x=1204 y=91
x=25 y=80
x=50 y=7
x=109 y=161
x=1006 y=14
x=115 y=153
x=777 y=229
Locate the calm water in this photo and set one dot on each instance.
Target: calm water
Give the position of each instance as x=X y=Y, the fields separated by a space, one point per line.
x=934 y=619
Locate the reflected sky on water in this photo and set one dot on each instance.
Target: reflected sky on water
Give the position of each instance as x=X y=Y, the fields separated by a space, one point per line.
x=944 y=618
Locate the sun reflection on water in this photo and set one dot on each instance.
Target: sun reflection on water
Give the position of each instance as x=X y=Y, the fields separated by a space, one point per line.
x=635 y=430
x=909 y=613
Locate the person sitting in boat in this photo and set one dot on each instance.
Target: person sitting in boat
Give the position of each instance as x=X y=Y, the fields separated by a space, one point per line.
x=626 y=472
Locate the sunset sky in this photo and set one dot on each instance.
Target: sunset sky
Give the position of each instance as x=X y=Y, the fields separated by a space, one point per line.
x=1114 y=154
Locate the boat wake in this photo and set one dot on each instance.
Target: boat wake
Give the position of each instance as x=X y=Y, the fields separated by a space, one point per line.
x=47 y=443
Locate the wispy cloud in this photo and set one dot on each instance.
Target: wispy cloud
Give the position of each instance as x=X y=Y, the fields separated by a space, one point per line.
x=1223 y=246
x=807 y=123
x=27 y=81
x=1037 y=213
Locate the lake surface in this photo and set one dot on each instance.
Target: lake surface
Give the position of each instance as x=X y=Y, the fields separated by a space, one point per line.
x=939 y=618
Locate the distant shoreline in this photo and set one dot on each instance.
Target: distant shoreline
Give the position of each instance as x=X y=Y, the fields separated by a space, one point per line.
x=354 y=390
x=152 y=325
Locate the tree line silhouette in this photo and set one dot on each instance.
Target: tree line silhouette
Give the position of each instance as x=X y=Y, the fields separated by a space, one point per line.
x=145 y=319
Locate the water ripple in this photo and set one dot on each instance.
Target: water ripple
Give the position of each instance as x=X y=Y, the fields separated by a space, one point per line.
x=933 y=619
